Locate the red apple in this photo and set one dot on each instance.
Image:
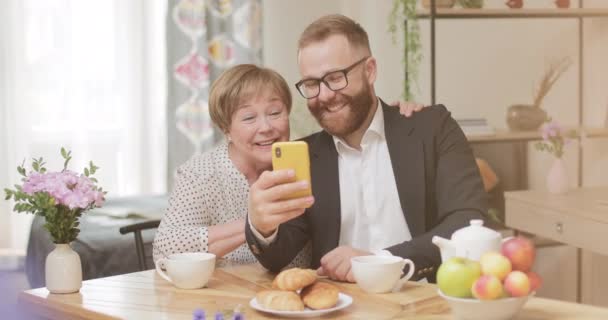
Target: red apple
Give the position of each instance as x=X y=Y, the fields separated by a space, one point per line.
x=520 y=251
x=487 y=287
x=535 y=280
x=517 y=284
x=494 y=263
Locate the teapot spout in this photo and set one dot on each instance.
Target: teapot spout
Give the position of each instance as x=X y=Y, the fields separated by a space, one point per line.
x=446 y=248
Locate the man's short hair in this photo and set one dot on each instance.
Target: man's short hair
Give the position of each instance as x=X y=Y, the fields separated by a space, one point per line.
x=335 y=24
x=240 y=83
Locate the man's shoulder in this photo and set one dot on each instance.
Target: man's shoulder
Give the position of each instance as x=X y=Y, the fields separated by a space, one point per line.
x=207 y=165
x=425 y=114
x=426 y=120
x=314 y=140
x=431 y=116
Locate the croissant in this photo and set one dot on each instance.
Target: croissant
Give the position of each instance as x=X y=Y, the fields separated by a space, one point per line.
x=294 y=279
x=280 y=300
x=320 y=295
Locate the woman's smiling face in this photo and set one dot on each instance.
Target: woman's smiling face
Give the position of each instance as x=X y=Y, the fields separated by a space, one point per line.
x=260 y=120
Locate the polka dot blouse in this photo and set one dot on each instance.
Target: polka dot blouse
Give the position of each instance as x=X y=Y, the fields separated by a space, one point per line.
x=209 y=190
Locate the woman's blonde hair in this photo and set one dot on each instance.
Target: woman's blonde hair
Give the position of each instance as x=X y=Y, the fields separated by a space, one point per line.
x=239 y=83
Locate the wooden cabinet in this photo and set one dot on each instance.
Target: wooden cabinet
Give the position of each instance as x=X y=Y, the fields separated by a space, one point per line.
x=579 y=219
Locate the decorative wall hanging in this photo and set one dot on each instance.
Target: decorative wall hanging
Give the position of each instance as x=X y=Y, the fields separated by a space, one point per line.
x=223 y=33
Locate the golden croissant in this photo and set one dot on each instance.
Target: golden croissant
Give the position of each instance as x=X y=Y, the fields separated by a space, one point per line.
x=320 y=295
x=294 y=279
x=280 y=300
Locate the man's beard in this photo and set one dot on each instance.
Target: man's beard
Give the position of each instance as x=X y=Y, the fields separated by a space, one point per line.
x=358 y=106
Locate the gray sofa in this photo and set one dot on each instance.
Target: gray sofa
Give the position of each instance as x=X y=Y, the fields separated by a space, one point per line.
x=103 y=250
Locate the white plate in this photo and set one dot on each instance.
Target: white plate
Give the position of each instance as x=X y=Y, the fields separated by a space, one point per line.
x=344 y=301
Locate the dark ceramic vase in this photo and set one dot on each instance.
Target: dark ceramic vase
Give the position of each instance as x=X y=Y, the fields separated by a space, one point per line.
x=521 y=117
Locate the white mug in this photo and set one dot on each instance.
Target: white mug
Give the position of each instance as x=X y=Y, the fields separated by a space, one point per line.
x=189 y=270
x=380 y=274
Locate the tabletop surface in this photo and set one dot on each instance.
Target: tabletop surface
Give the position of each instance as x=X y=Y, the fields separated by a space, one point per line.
x=144 y=295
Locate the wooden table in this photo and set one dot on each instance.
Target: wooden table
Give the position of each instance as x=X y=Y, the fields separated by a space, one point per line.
x=144 y=295
x=578 y=218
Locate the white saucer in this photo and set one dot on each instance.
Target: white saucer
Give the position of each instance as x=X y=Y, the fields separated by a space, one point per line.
x=344 y=301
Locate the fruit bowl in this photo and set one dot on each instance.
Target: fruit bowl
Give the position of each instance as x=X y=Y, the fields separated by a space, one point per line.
x=474 y=309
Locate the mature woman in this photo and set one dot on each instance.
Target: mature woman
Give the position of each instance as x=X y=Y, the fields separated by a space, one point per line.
x=208 y=206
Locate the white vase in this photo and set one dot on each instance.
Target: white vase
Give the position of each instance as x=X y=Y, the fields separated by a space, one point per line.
x=63 y=270
x=557 y=179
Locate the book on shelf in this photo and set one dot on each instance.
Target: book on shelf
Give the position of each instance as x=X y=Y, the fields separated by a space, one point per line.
x=475 y=126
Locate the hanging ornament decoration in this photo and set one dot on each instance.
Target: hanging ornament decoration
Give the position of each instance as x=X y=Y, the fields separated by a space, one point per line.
x=192 y=120
x=247 y=25
x=221 y=51
x=221 y=8
x=193 y=71
x=222 y=33
x=189 y=16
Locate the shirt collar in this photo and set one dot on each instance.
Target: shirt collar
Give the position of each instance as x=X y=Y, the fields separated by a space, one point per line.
x=376 y=127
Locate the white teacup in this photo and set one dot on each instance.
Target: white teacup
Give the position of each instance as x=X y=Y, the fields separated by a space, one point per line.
x=380 y=274
x=189 y=270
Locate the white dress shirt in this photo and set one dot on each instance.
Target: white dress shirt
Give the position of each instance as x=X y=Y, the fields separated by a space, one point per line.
x=371 y=214
x=370 y=210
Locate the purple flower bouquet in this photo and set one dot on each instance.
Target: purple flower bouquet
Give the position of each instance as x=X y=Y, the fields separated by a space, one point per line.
x=555 y=137
x=60 y=197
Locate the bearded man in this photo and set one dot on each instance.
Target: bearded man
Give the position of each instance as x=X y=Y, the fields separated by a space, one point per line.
x=382 y=183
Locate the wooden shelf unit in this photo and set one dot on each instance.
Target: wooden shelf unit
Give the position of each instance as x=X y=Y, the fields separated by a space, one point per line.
x=579 y=14
x=505 y=135
x=506 y=13
x=520 y=138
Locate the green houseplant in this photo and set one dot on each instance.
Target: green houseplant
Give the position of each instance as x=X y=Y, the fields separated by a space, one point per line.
x=401 y=11
x=476 y=4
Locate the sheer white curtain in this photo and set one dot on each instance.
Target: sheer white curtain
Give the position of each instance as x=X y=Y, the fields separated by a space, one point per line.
x=89 y=75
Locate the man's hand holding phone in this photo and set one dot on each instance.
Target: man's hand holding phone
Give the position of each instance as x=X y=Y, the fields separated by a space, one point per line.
x=284 y=193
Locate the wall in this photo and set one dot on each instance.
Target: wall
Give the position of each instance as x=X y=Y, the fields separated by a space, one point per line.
x=483 y=66
x=5 y=232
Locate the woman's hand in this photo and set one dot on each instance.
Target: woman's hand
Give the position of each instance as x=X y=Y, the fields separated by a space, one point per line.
x=267 y=210
x=407 y=108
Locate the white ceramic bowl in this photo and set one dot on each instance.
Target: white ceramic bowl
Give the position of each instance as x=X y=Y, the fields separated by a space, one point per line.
x=474 y=309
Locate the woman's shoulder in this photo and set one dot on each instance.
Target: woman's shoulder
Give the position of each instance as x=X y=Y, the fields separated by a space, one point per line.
x=208 y=164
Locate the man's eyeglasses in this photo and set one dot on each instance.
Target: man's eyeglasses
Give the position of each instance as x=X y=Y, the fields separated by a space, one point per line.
x=335 y=80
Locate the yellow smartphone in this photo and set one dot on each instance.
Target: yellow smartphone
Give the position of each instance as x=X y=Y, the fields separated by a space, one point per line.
x=293 y=155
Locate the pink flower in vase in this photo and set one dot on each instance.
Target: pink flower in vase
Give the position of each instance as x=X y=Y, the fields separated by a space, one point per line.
x=551 y=130
x=555 y=137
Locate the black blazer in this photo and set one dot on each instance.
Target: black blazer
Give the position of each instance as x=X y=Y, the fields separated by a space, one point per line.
x=438 y=181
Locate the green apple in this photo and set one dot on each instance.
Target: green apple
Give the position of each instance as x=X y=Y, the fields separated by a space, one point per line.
x=456 y=276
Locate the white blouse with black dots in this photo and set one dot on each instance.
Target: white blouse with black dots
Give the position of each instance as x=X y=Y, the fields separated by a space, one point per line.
x=209 y=190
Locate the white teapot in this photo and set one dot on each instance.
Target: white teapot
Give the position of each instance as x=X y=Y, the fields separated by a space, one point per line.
x=469 y=242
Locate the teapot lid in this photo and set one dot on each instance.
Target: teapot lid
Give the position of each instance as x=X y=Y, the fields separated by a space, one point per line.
x=475 y=233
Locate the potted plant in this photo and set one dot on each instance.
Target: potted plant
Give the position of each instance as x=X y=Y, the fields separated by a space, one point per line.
x=406 y=10
x=61 y=198
x=439 y=3
x=530 y=117
x=475 y=4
